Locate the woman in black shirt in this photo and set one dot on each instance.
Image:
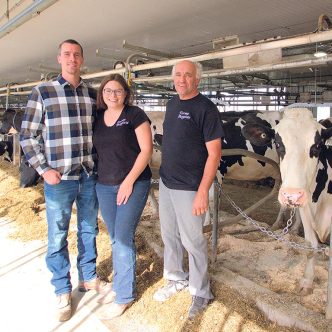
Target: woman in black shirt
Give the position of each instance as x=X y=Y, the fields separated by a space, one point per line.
x=122 y=138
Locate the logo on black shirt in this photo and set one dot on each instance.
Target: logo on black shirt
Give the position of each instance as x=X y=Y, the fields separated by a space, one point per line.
x=184 y=115
x=122 y=123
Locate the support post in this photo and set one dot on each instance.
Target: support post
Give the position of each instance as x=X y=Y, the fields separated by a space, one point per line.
x=215 y=220
x=16 y=149
x=7 y=96
x=328 y=313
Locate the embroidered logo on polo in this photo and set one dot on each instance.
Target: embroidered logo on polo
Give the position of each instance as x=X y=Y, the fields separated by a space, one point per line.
x=184 y=115
x=122 y=122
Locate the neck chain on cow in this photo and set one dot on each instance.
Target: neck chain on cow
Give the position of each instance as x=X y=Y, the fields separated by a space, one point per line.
x=279 y=237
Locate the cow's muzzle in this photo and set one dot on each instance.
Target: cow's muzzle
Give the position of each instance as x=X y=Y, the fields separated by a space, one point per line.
x=292 y=197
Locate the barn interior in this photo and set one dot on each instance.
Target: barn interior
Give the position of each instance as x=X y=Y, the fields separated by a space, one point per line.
x=256 y=54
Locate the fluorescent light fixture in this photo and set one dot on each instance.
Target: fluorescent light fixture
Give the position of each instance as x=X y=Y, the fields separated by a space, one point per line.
x=320 y=54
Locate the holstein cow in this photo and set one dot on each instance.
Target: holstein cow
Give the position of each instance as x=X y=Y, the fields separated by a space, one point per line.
x=327 y=123
x=232 y=167
x=240 y=167
x=306 y=172
x=6 y=149
x=11 y=123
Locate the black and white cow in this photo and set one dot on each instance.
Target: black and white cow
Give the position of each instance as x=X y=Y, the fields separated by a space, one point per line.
x=6 y=150
x=233 y=167
x=327 y=123
x=11 y=123
x=305 y=153
x=241 y=167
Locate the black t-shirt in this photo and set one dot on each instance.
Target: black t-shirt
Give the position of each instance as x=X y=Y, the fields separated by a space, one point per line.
x=117 y=146
x=188 y=125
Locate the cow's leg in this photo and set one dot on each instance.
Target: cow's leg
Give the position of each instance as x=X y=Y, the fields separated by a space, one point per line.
x=296 y=228
x=279 y=223
x=154 y=203
x=28 y=175
x=306 y=283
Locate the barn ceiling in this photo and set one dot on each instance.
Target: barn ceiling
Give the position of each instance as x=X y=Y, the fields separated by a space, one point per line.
x=174 y=28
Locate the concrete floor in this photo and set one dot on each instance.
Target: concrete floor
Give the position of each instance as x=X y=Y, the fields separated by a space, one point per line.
x=27 y=300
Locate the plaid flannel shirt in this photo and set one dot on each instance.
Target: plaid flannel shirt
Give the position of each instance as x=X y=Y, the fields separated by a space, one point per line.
x=56 y=130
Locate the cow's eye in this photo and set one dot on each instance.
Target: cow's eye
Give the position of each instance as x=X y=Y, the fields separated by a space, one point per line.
x=315 y=150
x=319 y=145
x=263 y=135
x=277 y=145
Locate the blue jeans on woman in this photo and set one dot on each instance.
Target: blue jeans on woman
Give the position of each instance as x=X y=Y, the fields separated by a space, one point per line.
x=59 y=200
x=121 y=221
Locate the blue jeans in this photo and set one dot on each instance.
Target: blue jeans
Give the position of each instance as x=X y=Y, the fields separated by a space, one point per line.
x=121 y=222
x=59 y=200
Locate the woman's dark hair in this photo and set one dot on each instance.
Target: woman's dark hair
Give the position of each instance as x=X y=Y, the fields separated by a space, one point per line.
x=118 y=78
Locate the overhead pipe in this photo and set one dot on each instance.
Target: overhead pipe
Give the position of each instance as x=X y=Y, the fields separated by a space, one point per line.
x=139 y=56
x=100 y=54
x=231 y=51
x=19 y=86
x=25 y=15
x=148 y=51
x=114 y=71
x=8 y=10
x=205 y=74
x=15 y=93
x=245 y=70
x=246 y=49
x=269 y=67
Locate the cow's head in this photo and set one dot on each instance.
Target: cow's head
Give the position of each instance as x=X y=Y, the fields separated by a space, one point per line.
x=6 y=149
x=3 y=147
x=7 y=121
x=300 y=142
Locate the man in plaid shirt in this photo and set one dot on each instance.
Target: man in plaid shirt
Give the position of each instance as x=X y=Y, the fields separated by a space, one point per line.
x=56 y=138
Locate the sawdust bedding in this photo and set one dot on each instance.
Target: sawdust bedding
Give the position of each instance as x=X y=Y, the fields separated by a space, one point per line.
x=251 y=255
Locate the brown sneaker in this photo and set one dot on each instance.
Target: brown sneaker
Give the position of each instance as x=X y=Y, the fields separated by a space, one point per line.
x=103 y=288
x=94 y=284
x=64 y=307
x=106 y=297
x=114 y=310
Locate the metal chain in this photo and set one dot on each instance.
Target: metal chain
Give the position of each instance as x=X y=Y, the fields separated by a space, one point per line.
x=278 y=237
x=289 y=222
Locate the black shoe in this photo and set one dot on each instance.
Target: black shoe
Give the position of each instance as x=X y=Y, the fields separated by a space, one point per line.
x=197 y=305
